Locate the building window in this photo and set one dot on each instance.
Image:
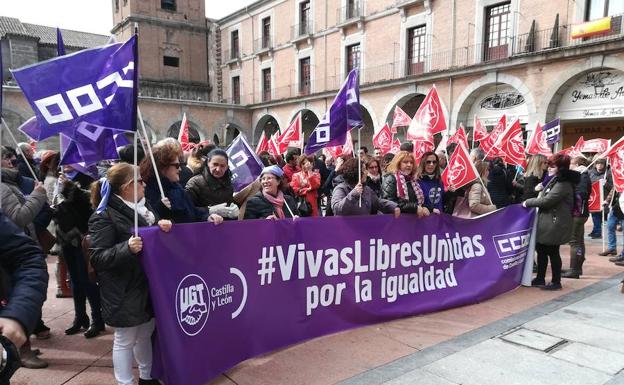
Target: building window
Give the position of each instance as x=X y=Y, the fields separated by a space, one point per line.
x=266 y=32
x=353 y=9
x=171 y=61
x=266 y=84
x=416 y=41
x=353 y=57
x=234 y=47
x=236 y=90
x=304 y=18
x=596 y=9
x=304 y=76
x=116 y=5
x=498 y=29
x=169 y=5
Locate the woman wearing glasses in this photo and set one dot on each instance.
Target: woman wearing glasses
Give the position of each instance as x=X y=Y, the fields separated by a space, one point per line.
x=177 y=205
x=373 y=176
x=431 y=183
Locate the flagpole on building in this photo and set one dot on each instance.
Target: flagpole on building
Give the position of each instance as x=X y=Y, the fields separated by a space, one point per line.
x=151 y=155
x=19 y=150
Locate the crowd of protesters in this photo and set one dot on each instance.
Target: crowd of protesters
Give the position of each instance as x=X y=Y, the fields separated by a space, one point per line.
x=88 y=220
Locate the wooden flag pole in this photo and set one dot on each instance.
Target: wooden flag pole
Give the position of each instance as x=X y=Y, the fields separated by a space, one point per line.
x=19 y=151
x=136 y=185
x=151 y=155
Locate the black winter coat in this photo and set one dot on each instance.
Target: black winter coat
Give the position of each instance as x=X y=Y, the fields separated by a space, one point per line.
x=389 y=192
x=583 y=190
x=72 y=215
x=123 y=284
x=258 y=207
x=22 y=261
x=499 y=186
x=528 y=190
x=375 y=186
x=205 y=190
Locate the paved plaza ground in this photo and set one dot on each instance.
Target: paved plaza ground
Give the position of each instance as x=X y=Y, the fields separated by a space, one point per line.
x=526 y=336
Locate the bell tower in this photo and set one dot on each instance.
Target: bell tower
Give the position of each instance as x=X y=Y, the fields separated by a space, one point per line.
x=174 y=46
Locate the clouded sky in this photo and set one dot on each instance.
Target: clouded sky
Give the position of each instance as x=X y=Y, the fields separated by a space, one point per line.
x=90 y=15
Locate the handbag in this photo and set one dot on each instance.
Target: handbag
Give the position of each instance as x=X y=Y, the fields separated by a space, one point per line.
x=86 y=254
x=46 y=240
x=304 y=207
x=462 y=209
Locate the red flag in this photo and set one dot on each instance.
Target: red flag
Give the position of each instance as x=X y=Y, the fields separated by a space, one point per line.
x=429 y=118
x=183 y=135
x=421 y=146
x=459 y=171
x=459 y=137
x=292 y=137
x=616 y=157
x=442 y=145
x=479 y=132
x=596 y=198
x=382 y=139
x=273 y=145
x=511 y=143
x=572 y=152
x=396 y=146
x=488 y=142
x=400 y=119
x=263 y=144
x=597 y=145
x=346 y=148
x=537 y=144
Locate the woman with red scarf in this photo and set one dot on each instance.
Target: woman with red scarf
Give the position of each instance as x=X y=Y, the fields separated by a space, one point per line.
x=270 y=202
x=307 y=182
x=400 y=185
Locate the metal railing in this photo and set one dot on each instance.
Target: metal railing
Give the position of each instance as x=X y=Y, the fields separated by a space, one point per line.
x=349 y=13
x=262 y=44
x=229 y=55
x=301 y=30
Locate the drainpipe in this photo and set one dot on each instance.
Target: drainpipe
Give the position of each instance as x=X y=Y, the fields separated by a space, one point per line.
x=454 y=31
x=450 y=102
x=253 y=69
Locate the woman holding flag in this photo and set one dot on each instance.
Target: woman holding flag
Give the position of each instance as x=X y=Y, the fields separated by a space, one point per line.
x=401 y=186
x=125 y=294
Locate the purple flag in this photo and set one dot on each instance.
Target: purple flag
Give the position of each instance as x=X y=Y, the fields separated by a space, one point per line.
x=552 y=130
x=96 y=86
x=69 y=151
x=91 y=144
x=244 y=163
x=343 y=115
x=288 y=281
x=1 y=81
x=31 y=128
x=60 y=46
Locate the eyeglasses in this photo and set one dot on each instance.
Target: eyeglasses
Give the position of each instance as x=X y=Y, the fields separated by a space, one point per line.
x=432 y=162
x=176 y=165
x=373 y=167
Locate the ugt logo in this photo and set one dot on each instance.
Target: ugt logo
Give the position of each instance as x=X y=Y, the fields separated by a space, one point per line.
x=192 y=304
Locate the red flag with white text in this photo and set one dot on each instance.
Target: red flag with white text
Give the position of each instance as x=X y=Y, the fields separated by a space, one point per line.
x=512 y=144
x=293 y=135
x=459 y=137
x=183 y=135
x=382 y=139
x=273 y=145
x=396 y=146
x=400 y=119
x=616 y=158
x=596 y=198
x=459 y=170
x=537 y=144
x=421 y=146
x=429 y=118
x=479 y=132
x=489 y=141
x=263 y=144
x=597 y=145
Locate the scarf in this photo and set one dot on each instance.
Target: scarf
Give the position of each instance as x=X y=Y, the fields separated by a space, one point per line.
x=277 y=202
x=141 y=209
x=402 y=188
x=375 y=178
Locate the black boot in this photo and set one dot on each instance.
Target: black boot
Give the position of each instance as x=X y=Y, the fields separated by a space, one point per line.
x=573 y=272
x=152 y=381
x=79 y=324
x=95 y=329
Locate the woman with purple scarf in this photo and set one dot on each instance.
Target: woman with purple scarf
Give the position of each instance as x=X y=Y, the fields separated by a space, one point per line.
x=400 y=185
x=271 y=202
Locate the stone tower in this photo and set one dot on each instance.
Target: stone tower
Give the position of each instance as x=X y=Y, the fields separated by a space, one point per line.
x=175 y=41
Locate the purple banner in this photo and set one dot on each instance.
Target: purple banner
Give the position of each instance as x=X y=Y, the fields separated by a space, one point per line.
x=552 y=131
x=226 y=293
x=95 y=86
x=243 y=163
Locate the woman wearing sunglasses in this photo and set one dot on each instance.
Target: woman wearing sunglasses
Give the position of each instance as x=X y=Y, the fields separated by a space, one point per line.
x=177 y=205
x=431 y=183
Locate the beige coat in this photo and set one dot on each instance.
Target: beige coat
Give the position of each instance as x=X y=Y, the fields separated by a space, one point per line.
x=478 y=201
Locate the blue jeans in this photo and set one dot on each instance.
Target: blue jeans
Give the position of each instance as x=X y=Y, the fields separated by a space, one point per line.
x=612 y=223
x=596 y=219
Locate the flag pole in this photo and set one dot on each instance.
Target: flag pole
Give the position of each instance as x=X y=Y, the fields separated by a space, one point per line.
x=360 y=160
x=136 y=185
x=19 y=151
x=289 y=210
x=151 y=155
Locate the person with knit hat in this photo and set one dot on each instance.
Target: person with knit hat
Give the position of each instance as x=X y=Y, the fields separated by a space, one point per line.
x=270 y=202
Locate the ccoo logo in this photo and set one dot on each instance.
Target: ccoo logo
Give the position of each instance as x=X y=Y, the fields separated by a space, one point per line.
x=192 y=304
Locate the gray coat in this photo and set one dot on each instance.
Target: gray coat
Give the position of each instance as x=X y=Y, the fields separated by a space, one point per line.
x=21 y=210
x=346 y=201
x=555 y=202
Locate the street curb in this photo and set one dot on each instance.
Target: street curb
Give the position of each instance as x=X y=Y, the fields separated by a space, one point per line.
x=424 y=357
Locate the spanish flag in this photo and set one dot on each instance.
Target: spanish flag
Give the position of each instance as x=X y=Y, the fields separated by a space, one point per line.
x=591 y=28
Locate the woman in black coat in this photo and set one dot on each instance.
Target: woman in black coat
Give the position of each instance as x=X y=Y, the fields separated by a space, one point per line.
x=271 y=202
x=400 y=185
x=124 y=290
x=499 y=184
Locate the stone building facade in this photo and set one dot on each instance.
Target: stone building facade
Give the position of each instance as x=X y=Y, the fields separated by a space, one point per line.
x=256 y=69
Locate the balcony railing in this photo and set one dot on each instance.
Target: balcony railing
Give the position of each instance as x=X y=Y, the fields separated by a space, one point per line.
x=264 y=43
x=349 y=13
x=229 y=56
x=302 y=30
x=523 y=45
